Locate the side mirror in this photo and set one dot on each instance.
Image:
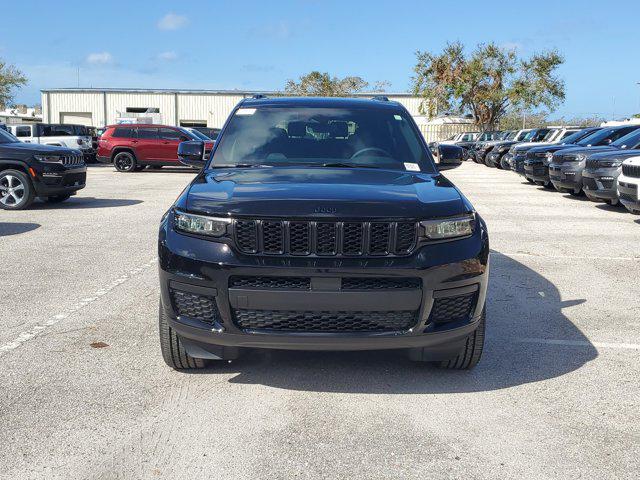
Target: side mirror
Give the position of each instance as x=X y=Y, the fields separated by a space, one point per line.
x=449 y=156
x=191 y=153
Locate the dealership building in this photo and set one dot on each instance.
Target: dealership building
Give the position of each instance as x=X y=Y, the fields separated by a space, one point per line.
x=98 y=107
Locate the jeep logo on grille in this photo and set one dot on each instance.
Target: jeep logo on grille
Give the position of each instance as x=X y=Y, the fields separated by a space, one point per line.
x=325 y=210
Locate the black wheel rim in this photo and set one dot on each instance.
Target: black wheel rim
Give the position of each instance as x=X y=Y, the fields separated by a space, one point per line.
x=124 y=162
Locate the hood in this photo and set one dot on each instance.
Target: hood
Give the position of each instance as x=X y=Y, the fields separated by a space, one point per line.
x=22 y=149
x=523 y=147
x=618 y=154
x=323 y=192
x=588 y=151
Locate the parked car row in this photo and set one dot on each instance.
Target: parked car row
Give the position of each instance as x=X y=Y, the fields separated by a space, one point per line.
x=602 y=163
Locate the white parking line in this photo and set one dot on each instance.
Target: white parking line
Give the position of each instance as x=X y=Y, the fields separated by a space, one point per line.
x=38 y=329
x=580 y=343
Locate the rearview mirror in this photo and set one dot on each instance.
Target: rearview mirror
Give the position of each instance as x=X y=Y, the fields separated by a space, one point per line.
x=449 y=156
x=191 y=153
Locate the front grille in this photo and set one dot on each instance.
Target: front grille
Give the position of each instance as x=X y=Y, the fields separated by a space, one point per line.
x=589 y=183
x=592 y=164
x=451 y=309
x=355 y=283
x=192 y=305
x=608 y=184
x=300 y=238
x=71 y=160
x=275 y=283
x=631 y=170
x=324 y=322
x=73 y=178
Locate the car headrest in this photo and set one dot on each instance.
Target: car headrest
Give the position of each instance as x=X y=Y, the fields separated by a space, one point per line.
x=339 y=129
x=297 y=129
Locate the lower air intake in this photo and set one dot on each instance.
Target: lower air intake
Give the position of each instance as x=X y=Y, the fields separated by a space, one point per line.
x=324 y=322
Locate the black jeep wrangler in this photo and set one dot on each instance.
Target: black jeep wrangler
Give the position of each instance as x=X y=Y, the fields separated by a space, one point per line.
x=322 y=224
x=30 y=170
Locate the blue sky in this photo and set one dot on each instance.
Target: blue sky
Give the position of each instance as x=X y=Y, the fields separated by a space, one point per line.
x=259 y=45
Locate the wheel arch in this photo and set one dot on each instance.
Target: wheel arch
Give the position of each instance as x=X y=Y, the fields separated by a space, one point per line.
x=118 y=150
x=14 y=165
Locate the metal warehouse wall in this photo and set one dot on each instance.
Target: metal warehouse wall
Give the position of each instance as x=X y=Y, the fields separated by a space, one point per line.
x=101 y=107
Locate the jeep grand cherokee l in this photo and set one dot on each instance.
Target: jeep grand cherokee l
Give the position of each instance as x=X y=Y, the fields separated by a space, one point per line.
x=321 y=224
x=30 y=170
x=565 y=168
x=132 y=147
x=600 y=175
x=536 y=165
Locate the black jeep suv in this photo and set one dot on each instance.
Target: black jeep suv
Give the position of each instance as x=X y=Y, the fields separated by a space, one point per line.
x=29 y=170
x=321 y=224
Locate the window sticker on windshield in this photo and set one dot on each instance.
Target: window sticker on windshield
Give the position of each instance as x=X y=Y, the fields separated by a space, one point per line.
x=398 y=117
x=245 y=111
x=412 y=167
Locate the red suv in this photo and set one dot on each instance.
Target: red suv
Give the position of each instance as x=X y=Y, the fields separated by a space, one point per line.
x=132 y=147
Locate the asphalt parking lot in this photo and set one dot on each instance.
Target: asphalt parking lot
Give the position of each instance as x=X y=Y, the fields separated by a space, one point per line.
x=85 y=393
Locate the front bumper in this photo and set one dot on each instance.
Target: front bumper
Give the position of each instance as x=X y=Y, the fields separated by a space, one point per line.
x=493 y=158
x=517 y=163
x=566 y=176
x=55 y=179
x=201 y=267
x=629 y=192
x=538 y=171
x=600 y=184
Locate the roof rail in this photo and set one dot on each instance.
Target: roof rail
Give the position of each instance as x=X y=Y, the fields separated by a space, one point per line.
x=258 y=96
x=381 y=98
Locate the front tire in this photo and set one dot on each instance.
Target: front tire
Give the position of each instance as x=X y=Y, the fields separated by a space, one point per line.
x=16 y=190
x=470 y=355
x=125 y=162
x=173 y=352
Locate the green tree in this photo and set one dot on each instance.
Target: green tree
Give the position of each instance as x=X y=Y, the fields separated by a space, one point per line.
x=318 y=84
x=489 y=83
x=10 y=78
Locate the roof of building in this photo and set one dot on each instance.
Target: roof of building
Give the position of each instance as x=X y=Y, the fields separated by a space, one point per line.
x=246 y=93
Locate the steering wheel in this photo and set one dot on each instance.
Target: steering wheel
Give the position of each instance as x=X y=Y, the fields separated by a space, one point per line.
x=371 y=149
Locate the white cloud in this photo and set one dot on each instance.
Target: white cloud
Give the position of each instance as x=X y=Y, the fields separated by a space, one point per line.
x=172 y=21
x=100 y=58
x=169 y=56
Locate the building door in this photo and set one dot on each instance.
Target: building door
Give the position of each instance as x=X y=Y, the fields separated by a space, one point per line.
x=76 y=118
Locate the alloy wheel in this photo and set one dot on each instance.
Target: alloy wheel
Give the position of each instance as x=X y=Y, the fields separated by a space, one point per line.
x=124 y=162
x=12 y=190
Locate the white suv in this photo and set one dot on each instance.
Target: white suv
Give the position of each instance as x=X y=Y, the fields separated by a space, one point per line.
x=629 y=184
x=71 y=136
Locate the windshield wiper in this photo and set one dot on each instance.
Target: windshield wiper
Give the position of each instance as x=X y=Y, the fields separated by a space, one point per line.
x=241 y=165
x=346 y=165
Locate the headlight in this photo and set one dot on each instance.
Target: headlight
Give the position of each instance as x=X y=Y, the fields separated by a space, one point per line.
x=448 y=227
x=581 y=157
x=611 y=164
x=544 y=154
x=48 y=158
x=209 y=226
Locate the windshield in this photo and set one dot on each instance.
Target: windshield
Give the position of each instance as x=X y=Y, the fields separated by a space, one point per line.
x=602 y=137
x=198 y=135
x=510 y=136
x=551 y=134
x=6 y=137
x=529 y=136
x=575 y=137
x=330 y=137
x=630 y=140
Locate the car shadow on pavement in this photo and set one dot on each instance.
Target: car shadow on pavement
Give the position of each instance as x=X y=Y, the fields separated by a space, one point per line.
x=611 y=208
x=85 y=202
x=11 y=228
x=526 y=342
